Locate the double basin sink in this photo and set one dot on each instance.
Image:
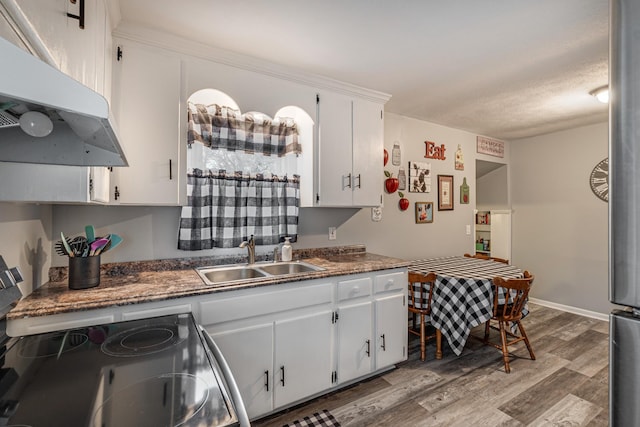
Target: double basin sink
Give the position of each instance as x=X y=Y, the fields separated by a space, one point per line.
x=222 y=275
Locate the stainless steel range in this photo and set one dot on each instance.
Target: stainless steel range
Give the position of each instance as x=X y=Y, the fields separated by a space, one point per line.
x=162 y=371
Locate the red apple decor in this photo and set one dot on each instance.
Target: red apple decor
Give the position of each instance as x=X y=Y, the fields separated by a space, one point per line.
x=391 y=183
x=404 y=202
x=386 y=156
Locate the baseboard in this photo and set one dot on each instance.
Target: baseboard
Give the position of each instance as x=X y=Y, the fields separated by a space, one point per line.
x=570 y=309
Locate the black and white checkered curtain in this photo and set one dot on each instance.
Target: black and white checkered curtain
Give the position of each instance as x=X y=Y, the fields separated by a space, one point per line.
x=224 y=210
x=224 y=128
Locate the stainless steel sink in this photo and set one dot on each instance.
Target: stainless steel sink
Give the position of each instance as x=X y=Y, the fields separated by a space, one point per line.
x=215 y=275
x=280 y=268
x=221 y=275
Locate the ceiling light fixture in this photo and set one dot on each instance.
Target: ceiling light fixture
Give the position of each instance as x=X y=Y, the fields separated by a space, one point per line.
x=601 y=94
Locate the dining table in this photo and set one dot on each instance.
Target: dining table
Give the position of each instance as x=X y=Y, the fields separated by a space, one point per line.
x=463 y=294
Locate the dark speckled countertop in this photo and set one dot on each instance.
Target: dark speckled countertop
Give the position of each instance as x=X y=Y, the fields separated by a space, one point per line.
x=151 y=281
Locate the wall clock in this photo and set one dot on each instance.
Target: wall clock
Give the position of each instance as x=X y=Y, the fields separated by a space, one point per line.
x=599 y=180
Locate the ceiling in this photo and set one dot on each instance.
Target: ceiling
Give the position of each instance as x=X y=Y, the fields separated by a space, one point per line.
x=507 y=69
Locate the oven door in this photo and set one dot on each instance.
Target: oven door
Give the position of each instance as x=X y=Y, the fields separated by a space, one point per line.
x=226 y=378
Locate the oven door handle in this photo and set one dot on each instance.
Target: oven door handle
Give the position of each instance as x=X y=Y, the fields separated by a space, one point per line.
x=236 y=398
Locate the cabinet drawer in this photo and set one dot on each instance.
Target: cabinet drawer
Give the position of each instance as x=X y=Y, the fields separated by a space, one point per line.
x=391 y=281
x=255 y=304
x=355 y=288
x=156 y=311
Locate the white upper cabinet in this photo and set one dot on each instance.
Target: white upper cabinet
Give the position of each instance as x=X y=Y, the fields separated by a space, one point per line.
x=349 y=151
x=78 y=52
x=147 y=108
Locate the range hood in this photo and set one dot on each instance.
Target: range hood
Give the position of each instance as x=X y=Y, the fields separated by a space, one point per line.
x=83 y=131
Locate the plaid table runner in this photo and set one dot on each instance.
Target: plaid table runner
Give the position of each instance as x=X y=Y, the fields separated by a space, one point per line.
x=463 y=293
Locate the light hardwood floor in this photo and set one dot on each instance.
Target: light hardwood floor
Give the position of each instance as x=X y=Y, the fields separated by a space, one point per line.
x=567 y=384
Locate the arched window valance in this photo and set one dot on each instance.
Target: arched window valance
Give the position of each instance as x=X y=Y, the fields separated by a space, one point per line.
x=220 y=127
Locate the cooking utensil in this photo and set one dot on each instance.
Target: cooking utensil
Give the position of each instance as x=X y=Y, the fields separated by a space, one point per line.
x=65 y=243
x=79 y=246
x=90 y=232
x=115 y=240
x=97 y=246
x=60 y=250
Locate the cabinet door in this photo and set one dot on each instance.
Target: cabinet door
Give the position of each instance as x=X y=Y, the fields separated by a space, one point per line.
x=249 y=353
x=146 y=93
x=303 y=349
x=501 y=234
x=368 y=150
x=391 y=329
x=334 y=163
x=355 y=344
x=77 y=52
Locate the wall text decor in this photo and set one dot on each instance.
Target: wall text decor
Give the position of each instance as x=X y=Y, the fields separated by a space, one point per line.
x=434 y=151
x=490 y=146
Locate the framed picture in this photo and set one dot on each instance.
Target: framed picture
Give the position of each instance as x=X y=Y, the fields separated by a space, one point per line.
x=424 y=212
x=445 y=192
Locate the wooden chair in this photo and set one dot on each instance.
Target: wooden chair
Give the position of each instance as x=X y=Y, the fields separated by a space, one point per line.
x=487 y=257
x=518 y=289
x=420 y=295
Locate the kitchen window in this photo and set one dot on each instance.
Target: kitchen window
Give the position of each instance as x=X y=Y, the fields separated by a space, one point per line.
x=241 y=179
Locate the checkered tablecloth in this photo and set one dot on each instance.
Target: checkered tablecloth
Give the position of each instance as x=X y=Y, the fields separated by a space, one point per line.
x=463 y=293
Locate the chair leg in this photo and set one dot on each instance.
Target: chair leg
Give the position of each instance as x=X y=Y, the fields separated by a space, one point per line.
x=526 y=340
x=423 y=344
x=438 y=344
x=487 y=326
x=505 y=351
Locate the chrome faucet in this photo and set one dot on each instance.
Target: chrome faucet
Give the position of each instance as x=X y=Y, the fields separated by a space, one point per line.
x=251 y=249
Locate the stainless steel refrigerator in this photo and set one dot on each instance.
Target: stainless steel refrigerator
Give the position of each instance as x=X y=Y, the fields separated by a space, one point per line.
x=624 y=213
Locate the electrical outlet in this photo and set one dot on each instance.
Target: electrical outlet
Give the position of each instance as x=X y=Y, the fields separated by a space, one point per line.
x=332 y=233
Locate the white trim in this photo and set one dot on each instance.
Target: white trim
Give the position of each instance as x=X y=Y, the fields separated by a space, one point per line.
x=570 y=309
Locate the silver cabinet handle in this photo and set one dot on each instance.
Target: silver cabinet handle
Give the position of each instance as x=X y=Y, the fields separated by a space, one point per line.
x=359 y=181
x=282 y=375
x=348 y=185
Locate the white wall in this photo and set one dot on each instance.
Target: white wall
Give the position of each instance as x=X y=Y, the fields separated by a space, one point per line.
x=25 y=231
x=493 y=190
x=559 y=226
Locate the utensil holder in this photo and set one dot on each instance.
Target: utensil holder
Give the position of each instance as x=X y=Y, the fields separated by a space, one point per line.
x=84 y=272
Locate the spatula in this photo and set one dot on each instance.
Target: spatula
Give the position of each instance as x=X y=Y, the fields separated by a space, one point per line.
x=90 y=232
x=66 y=245
x=115 y=240
x=97 y=246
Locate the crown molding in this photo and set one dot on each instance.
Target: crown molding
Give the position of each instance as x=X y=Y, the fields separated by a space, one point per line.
x=200 y=50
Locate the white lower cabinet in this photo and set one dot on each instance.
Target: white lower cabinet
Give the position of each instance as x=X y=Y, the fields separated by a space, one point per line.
x=355 y=341
x=390 y=298
x=291 y=342
x=277 y=363
x=303 y=357
x=249 y=353
x=391 y=330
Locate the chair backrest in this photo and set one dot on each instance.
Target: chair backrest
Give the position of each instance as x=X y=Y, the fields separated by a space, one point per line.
x=518 y=292
x=421 y=291
x=487 y=257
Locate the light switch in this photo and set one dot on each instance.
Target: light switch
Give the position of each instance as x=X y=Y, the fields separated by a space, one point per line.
x=468 y=229
x=332 y=233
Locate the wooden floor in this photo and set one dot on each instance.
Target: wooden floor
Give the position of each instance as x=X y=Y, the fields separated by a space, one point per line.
x=567 y=384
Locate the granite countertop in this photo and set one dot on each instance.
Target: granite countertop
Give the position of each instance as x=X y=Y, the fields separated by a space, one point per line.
x=152 y=281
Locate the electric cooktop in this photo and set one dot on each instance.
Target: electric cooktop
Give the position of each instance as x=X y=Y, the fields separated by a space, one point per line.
x=153 y=372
